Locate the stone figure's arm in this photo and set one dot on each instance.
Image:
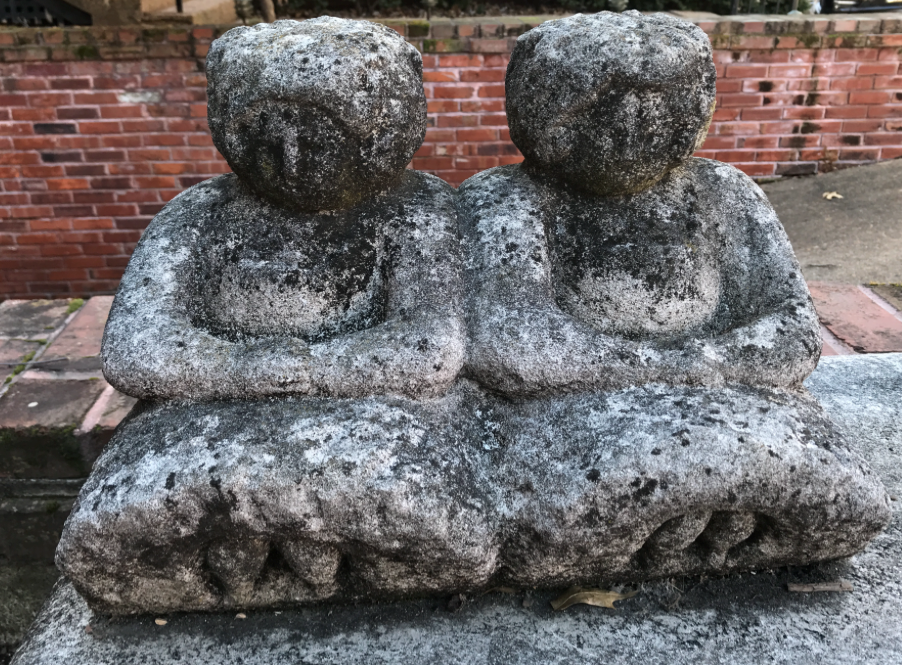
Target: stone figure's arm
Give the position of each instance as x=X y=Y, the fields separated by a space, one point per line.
x=151 y=346
x=521 y=342
x=775 y=338
x=418 y=350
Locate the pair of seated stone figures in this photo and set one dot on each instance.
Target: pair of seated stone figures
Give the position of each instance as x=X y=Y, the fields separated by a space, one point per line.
x=359 y=382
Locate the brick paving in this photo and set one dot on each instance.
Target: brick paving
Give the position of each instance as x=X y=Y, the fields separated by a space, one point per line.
x=56 y=410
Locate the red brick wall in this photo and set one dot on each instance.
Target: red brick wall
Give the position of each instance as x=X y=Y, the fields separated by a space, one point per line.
x=100 y=127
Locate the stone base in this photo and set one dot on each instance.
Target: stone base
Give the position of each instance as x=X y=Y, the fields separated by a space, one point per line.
x=747 y=618
x=279 y=502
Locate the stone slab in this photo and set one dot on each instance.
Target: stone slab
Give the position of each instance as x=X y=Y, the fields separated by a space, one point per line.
x=24 y=587
x=740 y=619
x=79 y=343
x=32 y=319
x=32 y=514
x=856 y=319
x=14 y=351
x=39 y=441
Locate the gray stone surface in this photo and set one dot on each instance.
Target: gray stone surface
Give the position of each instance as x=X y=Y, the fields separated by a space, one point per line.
x=299 y=500
x=610 y=102
x=320 y=114
x=31 y=319
x=740 y=619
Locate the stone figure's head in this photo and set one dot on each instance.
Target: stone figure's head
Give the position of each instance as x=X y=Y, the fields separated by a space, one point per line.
x=316 y=114
x=610 y=102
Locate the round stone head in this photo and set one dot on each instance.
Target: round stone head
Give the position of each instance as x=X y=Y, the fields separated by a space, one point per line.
x=610 y=102
x=316 y=114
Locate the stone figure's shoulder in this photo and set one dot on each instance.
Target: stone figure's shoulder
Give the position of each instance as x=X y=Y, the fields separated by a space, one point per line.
x=421 y=208
x=424 y=189
x=492 y=183
x=726 y=184
x=195 y=209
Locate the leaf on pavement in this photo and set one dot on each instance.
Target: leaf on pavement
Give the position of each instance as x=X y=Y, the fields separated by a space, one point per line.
x=596 y=597
x=831 y=195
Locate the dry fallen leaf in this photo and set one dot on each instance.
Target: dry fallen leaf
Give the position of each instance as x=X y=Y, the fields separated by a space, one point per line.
x=831 y=195
x=160 y=622
x=839 y=585
x=596 y=597
x=241 y=615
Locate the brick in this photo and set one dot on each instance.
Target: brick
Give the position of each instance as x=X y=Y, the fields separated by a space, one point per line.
x=859 y=155
x=54 y=128
x=433 y=77
x=852 y=83
x=70 y=83
x=62 y=156
x=476 y=135
x=852 y=126
x=482 y=75
x=740 y=99
x=85 y=169
x=105 y=156
x=803 y=113
x=453 y=92
x=884 y=82
x=870 y=97
x=746 y=71
x=802 y=168
x=491 y=91
x=881 y=139
x=885 y=111
x=108 y=127
x=846 y=112
x=877 y=69
x=855 y=55
x=751 y=43
x=457 y=121
x=77 y=113
x=33 y=114
x=67 y=183
x=835 y=69
x=449 y=61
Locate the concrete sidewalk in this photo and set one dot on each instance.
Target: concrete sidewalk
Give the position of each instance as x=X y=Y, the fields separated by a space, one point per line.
x=854 y=240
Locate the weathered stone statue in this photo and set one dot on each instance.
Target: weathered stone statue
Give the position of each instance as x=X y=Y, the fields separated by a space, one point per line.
x=315 y=423
x=646 y=318
x=284 y=325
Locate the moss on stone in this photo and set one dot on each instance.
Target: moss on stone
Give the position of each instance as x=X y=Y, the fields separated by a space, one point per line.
x=87 y=52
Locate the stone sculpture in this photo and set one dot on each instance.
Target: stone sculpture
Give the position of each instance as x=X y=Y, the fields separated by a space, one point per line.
x=315 y=423
x=645 y=315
